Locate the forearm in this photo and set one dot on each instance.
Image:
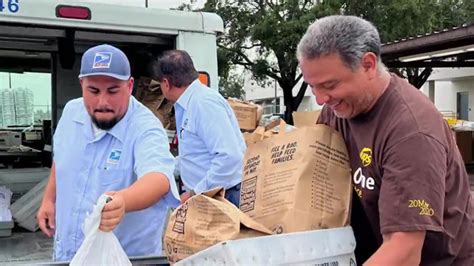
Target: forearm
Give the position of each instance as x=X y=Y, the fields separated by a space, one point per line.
x=145 y=192
x=399 y=249
x=50 y=190
x=388 y=255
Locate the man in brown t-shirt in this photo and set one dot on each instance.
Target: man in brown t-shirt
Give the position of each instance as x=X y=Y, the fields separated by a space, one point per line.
x=412 y=203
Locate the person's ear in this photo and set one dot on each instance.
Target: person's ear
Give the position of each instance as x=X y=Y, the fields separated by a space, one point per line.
x=369 y=64
x=166 y=84
x=131 y=81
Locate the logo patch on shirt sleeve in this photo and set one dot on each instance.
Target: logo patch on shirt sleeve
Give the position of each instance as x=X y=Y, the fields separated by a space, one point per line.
x=423 y=206
x=102 y=60
x=114 y=157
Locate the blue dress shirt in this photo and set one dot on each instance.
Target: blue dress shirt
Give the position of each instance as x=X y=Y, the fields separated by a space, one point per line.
x=87 y=166
x=210 y=145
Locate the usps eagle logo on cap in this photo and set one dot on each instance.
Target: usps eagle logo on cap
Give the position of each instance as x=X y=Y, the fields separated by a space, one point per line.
x=102 y=60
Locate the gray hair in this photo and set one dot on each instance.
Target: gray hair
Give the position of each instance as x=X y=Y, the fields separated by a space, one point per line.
x=176 y=66
x=348 y=36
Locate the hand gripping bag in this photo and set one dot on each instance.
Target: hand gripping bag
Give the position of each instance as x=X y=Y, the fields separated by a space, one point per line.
x=99 y=248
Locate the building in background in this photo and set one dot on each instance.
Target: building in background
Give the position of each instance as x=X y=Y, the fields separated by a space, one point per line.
x=452 y=91
x=271 y=96
x=24 y=106
x=16 y=107
x=7 y=108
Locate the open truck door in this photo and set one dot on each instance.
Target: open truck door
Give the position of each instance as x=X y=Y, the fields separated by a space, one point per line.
x=41 y=44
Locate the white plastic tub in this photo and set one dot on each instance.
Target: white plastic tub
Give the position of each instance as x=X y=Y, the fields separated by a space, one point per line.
x=329 y=247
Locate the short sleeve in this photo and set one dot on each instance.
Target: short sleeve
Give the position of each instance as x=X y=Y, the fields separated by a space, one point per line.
x=64 y=121
x=413 y=185
x=152 y=155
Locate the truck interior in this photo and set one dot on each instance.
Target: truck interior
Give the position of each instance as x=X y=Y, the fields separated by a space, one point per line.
x=29 y=51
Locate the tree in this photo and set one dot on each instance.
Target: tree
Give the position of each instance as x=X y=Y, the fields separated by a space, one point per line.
x=232 y=86
x=185 y=6
x=400 y=19
x=262 y=35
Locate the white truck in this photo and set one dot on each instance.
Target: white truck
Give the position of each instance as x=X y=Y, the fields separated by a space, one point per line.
x=49 y=36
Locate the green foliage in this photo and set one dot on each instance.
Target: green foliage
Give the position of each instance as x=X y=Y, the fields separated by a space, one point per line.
x=399 y=19
x=232 y=86
x=186 y=6
x=262 y=35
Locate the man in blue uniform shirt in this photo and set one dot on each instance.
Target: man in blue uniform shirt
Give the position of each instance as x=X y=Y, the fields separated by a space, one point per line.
x=210 y=145
x=107 y=142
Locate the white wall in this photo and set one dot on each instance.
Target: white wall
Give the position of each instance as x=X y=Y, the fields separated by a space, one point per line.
x=440 y=74
x=467 y=85
x=309 y=104
x=445 y=96
x=255 y=92
x=448 y=82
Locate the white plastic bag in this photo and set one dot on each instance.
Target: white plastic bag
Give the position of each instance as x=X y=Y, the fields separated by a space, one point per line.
x=5 y=198
x=99 y=248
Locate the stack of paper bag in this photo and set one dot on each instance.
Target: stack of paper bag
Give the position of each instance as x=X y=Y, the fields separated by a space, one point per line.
x=297 y=181
x=204 y=220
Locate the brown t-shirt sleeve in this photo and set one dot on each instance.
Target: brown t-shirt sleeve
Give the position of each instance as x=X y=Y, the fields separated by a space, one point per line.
x=413 y=185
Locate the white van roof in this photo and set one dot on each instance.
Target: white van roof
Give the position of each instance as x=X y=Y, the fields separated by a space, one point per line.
x=115 y=17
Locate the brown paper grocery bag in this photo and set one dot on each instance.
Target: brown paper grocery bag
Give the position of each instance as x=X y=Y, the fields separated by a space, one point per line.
x=262 y=133
x=298 y=181
x=305 y=119
x=204 y=220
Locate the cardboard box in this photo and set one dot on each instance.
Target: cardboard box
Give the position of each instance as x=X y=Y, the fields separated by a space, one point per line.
x=10 y=138
x=33 y=135
x=259 y=134
x=305 y=119
x=148 y=92
x=298 y=181
x=204 y=220
x=246 y=113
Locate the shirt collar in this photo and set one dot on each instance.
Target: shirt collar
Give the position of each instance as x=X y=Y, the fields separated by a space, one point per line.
x=183 y=100
x=118 y=131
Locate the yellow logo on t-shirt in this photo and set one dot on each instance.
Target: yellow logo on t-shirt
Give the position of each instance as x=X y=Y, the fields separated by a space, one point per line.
x=366 y=156
x=423 y=206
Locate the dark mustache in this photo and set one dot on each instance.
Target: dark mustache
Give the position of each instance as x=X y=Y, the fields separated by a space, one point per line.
x=103 y=110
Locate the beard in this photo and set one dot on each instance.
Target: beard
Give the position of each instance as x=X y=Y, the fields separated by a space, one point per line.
x=357 y=106
x=105 y=124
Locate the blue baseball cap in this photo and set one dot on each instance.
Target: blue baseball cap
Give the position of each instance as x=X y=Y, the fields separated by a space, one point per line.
x=105 y=60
